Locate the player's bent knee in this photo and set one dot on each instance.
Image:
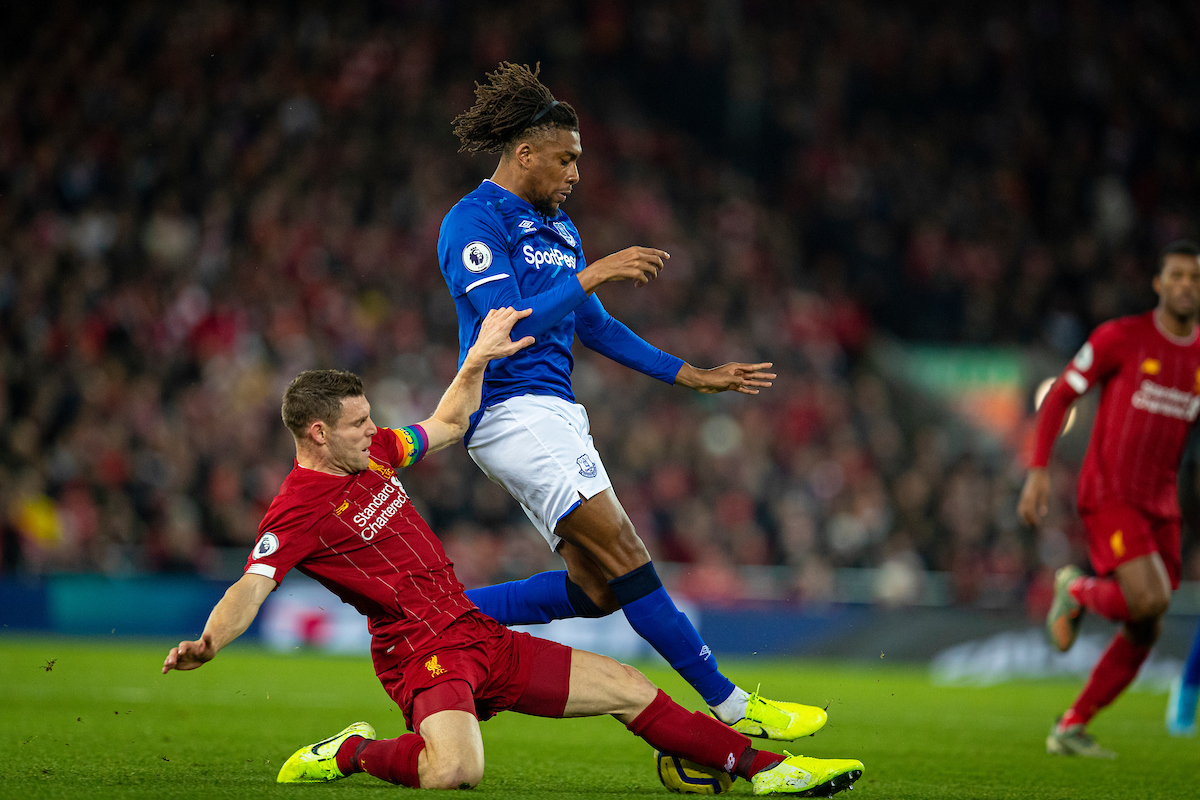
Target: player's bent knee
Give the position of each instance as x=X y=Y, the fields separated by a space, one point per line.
x=453 y=775
x=641 y=692
x=1148 y=604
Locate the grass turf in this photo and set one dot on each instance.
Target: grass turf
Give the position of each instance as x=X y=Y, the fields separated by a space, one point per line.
x=91 y=718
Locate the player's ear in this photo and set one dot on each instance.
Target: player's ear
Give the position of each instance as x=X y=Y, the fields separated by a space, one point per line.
x=1156 y=284
x=316 y=431
x=523 y=154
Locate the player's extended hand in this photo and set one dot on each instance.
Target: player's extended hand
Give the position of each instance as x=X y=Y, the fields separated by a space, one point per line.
x=1035 y=497
x=638 y=264
x=190 y=655
x=732 y=377
x=494 y=340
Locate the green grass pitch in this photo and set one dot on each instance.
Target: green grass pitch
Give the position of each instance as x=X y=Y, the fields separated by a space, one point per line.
x=92 y=718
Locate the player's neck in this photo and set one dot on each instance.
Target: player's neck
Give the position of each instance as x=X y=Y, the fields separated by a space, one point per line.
x=1179 y=327
x=314 y=462
x=509 y=179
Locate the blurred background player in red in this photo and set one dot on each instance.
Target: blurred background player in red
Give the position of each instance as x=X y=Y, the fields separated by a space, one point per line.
x=1148 y=368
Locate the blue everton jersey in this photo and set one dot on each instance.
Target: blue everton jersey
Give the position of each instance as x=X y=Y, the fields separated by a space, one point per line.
x=496 y=251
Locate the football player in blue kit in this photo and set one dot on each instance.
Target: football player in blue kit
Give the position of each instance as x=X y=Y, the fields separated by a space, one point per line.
x=507 y=243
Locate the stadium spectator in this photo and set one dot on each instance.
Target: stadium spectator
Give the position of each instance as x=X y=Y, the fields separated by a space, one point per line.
x=197 y=200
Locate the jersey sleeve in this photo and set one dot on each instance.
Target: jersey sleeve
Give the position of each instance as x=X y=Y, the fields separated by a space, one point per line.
x=473 y=250
x=604 y=333
x=1097 y=360
x=404 y=446
x=549 y=307
x=282 y=544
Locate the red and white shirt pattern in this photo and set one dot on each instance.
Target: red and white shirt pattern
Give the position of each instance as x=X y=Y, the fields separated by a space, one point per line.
x=1149 y=398
x=360 y=536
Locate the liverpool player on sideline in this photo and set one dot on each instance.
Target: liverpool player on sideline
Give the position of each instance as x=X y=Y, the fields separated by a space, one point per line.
x=1149 y=369
x=343 y=517
x=509 y=244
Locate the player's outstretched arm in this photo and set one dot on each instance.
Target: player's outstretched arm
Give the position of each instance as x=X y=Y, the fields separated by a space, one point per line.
x=228 y=620
x=732 y=377
x=453 y=414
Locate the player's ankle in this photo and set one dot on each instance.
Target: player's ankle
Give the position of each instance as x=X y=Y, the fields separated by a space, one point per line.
x=1070 y=718
x=347 y=755
x=733 y=707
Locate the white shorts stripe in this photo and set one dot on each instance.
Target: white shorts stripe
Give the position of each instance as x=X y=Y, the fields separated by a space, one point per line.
x=540 y=450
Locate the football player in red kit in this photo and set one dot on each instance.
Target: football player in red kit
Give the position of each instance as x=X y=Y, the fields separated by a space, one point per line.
x=1148 y=370
x=343 y=517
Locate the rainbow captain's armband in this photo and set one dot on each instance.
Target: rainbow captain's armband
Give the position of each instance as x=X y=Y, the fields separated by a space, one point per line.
x=413 y=443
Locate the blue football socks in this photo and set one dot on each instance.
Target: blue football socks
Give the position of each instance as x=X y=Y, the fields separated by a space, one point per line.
x=537 y=599
x=1191 y=668
x=653 y=614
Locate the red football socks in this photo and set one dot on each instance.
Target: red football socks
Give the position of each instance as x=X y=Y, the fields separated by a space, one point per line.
x=667 y=726
x=391 y=760
x=1115 y=670
x=1102 y=595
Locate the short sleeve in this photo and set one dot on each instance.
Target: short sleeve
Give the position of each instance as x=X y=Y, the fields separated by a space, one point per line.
x=473 y=249
x=1097 y=360
x=282 y=544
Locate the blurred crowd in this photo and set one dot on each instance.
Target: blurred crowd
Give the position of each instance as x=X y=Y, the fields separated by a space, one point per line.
x=198 y=200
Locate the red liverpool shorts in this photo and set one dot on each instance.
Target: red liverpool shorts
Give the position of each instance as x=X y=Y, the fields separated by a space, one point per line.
x=1119 y=533
x=481 y=667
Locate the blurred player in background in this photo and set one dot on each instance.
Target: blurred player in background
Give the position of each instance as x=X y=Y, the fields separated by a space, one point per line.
x=507 y=243
x=343 y=517
x=1148 y=368
x=1185 y=689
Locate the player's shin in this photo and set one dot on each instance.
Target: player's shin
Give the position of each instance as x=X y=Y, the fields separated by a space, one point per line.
x=391 y=760
x=653 y=614
x=669 y=727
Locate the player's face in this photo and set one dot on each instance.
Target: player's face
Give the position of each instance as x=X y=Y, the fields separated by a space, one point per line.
x=553 y=170
x=1178 y=285
x=349 y=438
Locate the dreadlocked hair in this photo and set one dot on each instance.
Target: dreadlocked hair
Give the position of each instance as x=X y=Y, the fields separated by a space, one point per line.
x=511 y=103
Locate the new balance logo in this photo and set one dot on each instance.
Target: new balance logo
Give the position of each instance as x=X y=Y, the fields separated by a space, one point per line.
x=730 y=763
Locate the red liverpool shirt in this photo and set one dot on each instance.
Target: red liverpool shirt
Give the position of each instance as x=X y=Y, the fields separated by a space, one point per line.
x=1149 y=398
x=360 y=536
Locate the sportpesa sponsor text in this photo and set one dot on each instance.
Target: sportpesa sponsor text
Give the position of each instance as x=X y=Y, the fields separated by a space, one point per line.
x=536 y=257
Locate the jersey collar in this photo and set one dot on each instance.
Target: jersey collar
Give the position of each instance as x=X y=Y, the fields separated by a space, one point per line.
x=1183 y=341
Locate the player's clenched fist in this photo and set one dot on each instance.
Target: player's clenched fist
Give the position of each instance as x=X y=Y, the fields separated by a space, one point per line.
x=638 y=264
x=1035 y=497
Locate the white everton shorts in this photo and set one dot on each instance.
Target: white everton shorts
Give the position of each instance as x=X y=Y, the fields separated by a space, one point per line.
x=539 y=448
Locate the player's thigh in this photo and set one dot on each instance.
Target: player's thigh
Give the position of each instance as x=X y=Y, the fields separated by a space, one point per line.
x=1146 y=586
x=600 y=528
x=453 y=755
x=600 y=685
